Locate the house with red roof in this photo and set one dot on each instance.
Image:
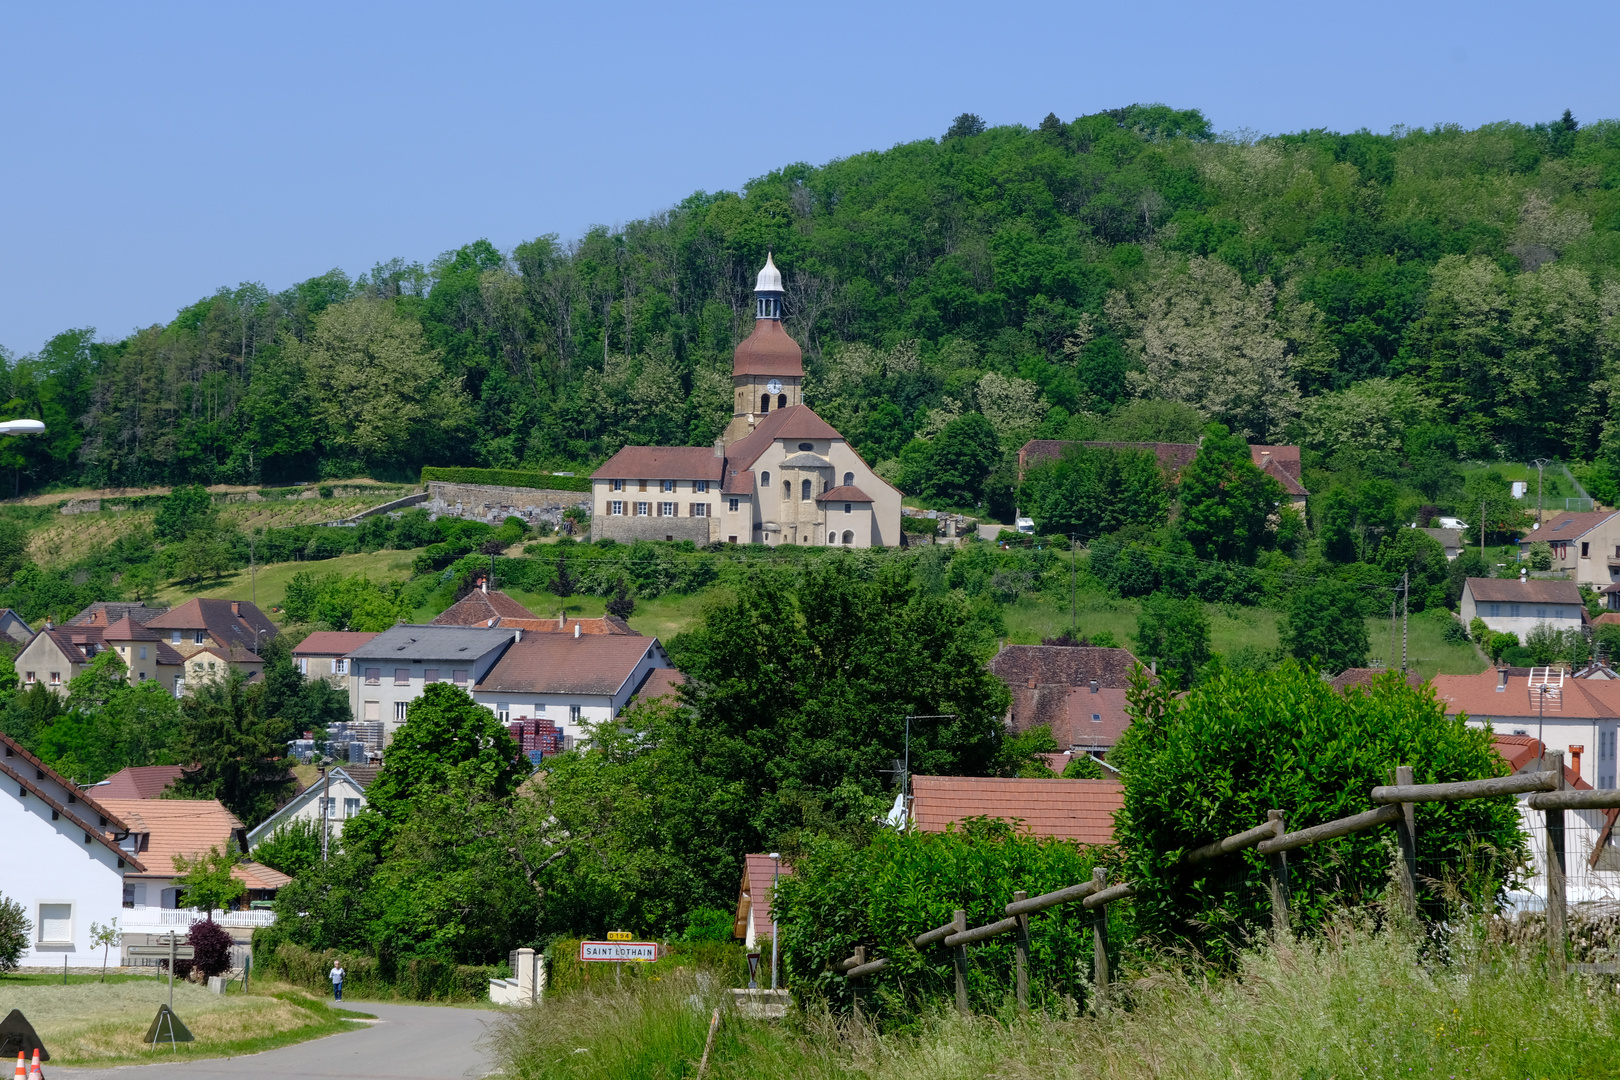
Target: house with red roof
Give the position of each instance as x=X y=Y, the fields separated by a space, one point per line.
x=1078 y=810
x=779 y=475
x=569 y=681
x=759 y=879
x=325 y=654
x=1585 y=546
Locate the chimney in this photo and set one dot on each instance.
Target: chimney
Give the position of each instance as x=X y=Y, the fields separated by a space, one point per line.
x=517 y=635
x=562 y=620
x=483 y=583
x=1523 y=574
x=49 y=624
x=1095 y=686
x=1501 y=681
x=719 y=446
x=1575 y=752
x=576 y=631
x=1032 y=682
x=236 y=607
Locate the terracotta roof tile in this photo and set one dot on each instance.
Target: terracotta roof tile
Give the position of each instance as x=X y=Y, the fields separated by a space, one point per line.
x=1095 y=720
x=844 y=494
x=662 y=463
x=187 y=827
x=660 y=682
x=1364 y=676
x=1568 y=526
x=1478 y=696
x=332 y=642
x=1523 y=591
x=563 y=664
x=236 y=625
x=769 y=350
x=478 y=607
x=1080 y=810
x=140 y=782
x=793 y=422
x=758 y=868
x=1040 y=676
x=738 y=483
x=607 y=624
x=259 y=876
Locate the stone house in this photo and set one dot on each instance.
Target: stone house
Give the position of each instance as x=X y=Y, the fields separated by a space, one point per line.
x=223 y=633
x=1519 y=606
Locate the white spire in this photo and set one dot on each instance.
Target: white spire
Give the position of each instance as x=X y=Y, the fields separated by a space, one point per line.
x=770 y=278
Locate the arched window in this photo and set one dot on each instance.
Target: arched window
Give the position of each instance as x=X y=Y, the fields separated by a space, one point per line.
x=764 y=480
x=764 y=403
x=849 y=479
x=832 y=538
x=826 y=486
x=781 y=401
x=787 y=490
x=849 y=537
x=804 y=489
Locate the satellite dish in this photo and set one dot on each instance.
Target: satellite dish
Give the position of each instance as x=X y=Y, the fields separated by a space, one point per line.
x=22 y=427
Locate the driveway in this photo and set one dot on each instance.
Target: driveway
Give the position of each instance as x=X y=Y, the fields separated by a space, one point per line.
x=406 y=1042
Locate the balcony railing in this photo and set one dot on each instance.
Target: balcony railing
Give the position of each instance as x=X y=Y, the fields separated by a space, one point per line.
x=139 y=919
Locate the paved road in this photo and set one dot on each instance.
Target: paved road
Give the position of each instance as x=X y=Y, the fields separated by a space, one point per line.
x=408 y=1042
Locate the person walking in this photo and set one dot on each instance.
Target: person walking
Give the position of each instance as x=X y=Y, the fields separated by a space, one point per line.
x=336 y=975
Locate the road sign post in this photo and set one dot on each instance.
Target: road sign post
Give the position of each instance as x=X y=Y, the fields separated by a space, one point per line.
x=618 y=952
x=168 y=945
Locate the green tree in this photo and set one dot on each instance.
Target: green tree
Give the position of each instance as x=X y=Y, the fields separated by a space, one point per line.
x=1175 y=632
x=1226 y=500
x=1205 y=765
x=1021 y=753
x=293 y=848
x=1091 y=491
x=108 y=937
x=239 y=754
x=183 y=510
x=207 y=880
x=1488 y=493
x=1323 y=627
x=1083 y=767
x=960 y=460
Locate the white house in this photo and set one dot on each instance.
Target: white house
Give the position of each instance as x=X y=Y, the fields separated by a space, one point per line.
x=324 y=654
x=569 y=680
x=391 y=670
x=337 y=796
x=1517 y=607
x=1578 y=716
x=62 y=860
x=1586 y=546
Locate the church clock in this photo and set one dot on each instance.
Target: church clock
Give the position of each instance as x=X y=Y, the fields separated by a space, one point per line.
x=774 y=386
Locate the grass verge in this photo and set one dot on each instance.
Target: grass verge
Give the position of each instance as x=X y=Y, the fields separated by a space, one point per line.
x=1351 y=1004
x=90 y=1023
x=272 y=579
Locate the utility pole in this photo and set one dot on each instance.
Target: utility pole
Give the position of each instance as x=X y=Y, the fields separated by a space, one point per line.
x=1074 y=622
x=1482 y=529
x=1406 y=604
x=326 y=809
x=253 y=570
x=1539 y=463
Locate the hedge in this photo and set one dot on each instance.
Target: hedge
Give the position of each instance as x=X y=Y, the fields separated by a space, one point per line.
x=415 y=979
x=521 y=478
x=726 y=960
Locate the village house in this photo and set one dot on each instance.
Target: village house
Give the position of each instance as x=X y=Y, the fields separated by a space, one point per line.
x=489 y=607
x=1076 y=692
x=778 y=475
x=1579 y=717
x=1519 y=606
x=1450 y=540
x=569 y=681
x=759 y=879
x=391 y=670
x=14 y=626
x=215 y=636
x=160 y=829
x=336 y=795
x=1585 y=546
x=324 y=654
x=1591 y=857
x=139 y=782
x=63 y=862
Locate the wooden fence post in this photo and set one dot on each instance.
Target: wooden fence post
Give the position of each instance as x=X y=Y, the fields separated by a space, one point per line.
x=1099 y=936
x=855 y=984
x=1279 y=877
x=961 y=965
x=1556 y=944
x=1023 y=955
x=1406 y=836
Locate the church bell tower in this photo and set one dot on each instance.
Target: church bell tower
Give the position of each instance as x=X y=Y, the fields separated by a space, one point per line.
x=767 y=372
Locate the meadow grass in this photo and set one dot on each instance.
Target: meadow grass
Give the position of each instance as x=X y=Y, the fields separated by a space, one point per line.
x=1352 y=1003
x=90 y=1023
x=273 y=578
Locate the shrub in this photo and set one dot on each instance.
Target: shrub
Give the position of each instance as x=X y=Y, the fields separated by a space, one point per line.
x=1497 y=645
x=1083 y=767
x=708 y=924
x=1212 y=763
x=14 y=930
x=212 y=943
x=1478 y=631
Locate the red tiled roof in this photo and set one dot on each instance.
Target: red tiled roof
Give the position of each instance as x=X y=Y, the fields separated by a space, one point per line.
x=140 y=782
x=768 y=351
x=1607 y=618
x=1568 y=526
x=759 y=868
x=107 y=612
x=259 y=876
x=1286 y=458
x=607 y=624
x=1290 y=485
x=1478 y=696
x=1522 y=751
x=332 y=642
x=597 y=664
x=1107 y=705
x=236 y=625
x=187 y=827
x=662 y=463
x=793 y=422
x=738 y=483
x=1364 y=676
x=1080 y=810
x=1040 y=676
x=1524 y=591
x=849 y=493
x=660 y=682
x=478 y=607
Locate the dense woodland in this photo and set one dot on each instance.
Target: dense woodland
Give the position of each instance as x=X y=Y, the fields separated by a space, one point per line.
x=1039 y=278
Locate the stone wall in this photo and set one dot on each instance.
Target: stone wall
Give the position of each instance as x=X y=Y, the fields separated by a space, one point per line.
x=628 y=528
x=480 y=502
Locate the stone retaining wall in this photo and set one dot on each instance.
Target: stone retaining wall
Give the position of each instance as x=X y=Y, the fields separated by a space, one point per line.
x=628 y=528
x=488 y=503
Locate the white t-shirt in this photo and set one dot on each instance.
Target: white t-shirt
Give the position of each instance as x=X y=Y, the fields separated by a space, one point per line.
x=336 y=974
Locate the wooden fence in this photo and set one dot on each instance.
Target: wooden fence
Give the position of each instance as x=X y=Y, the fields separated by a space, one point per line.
x=1396 y=802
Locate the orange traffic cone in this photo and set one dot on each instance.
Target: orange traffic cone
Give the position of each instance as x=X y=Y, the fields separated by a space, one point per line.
x=34 y=1073
x=21 y=1073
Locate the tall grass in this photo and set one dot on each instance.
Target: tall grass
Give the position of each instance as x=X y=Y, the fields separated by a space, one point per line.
x=1352 y=1003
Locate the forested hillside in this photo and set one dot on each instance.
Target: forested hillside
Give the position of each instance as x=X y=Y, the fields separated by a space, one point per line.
x=1040 y=278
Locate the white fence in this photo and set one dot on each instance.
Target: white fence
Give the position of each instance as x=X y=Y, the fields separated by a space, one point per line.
x=146 y=920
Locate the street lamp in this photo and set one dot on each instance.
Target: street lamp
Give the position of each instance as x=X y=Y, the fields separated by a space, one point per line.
x=776 y=874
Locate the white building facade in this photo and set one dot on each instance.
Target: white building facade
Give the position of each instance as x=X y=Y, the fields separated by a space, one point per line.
x=569 y=681
x=1519 y=606
x=392 y=669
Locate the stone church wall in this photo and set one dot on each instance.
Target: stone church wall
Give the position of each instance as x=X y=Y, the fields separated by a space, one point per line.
x=628 y=528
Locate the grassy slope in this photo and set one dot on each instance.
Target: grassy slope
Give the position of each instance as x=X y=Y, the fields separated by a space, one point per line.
x=87 y=1023
x=273 y=579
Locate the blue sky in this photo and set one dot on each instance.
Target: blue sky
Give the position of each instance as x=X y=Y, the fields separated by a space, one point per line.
x=152 y=153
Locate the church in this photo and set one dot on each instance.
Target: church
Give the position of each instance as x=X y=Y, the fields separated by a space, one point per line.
x=779 y=475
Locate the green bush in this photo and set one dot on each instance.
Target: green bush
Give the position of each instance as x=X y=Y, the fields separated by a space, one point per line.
x=14 y=928
x=1212 y=763
x=921 y=525
x=412 y=978
x=506 y=478
x=568 y=974
x=884 y=894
